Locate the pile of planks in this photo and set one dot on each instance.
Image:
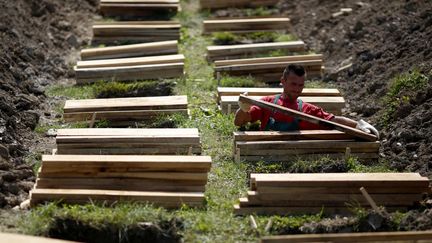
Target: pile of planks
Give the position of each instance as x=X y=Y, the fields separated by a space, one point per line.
x=328 y=99
x=285 y=194
x=129 y=9
x=161 y=180
x=135 y=31
x=129 y=69
x=369 y=237
x=120 y=141
x=226 y=52
x=247 y=25
x=269 y=69
x=304 y=144
x=124 y=111
x=213 y=4
x=133 y=50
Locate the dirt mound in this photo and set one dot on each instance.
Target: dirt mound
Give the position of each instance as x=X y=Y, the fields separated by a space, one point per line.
x=39 y=42
x=363 y=51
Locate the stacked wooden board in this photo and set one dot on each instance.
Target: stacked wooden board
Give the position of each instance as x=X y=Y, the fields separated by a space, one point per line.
x=130 y=9
x=168 y=181
x=217 y=4
x=332 y=104
x=129 y=69
x=369 y=237
x=269 y=69
x=256 y=91
x=132 y=50
x=135 y=31
x=128 y=62
x=246 y=25
x=285 y=194
x=124 y=110
x=276 y=146
x=225 y=52
x=112 y=141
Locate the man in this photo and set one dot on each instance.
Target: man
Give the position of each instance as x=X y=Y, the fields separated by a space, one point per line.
x=292 y=80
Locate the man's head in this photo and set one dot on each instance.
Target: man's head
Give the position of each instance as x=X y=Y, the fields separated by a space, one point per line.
x=293 y=79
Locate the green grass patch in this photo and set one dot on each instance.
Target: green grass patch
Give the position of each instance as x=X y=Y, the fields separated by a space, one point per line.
x=103 y=89
x=232 y=81
x=228 y=38
x=44 y=219
x=401 y=91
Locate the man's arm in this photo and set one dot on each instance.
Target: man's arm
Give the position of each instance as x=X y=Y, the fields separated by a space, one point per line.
x=242 y=117
x=344 y=121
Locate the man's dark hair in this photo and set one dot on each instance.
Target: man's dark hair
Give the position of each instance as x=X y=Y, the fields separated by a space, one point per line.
x=293 y=68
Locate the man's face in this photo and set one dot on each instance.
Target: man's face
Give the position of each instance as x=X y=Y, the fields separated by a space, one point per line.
x=293 y=85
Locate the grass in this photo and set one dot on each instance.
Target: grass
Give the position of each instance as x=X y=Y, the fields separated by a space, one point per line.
x=401 y=91
x=228 y=38
x=227 y=180
x=115 y=89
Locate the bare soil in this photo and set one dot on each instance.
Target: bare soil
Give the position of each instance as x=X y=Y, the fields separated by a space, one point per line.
x=39 y=42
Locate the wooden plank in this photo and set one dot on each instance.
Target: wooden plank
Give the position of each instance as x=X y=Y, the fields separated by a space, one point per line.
x=125 y=184
x=141 y=23
x=165 y=199
x=299 y=210
x=167 y=150
x=148 y=163
x=253 y=91
x=132 y=61
x=140 y=103
x=116 y=116
x=246 y=25
x=356 y=180
x=129 y=73
x=116 y=184
x=75 y=180
x=233 y=51
x=315 y=156
x=312 y=119
x=418 y=236
x=16 y=238
x=333 y=104
x=212 y=4
x=310 y=57
x=290 y=136
x=309 y=144
x=126 y=131
x=119 y=40
x=340 y=190
x=168 y=139
x=299 y=199
x=311 y=64
x=133 y=50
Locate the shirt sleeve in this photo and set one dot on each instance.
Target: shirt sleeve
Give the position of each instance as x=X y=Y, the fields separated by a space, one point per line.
x=256 y=112
x=317 y=111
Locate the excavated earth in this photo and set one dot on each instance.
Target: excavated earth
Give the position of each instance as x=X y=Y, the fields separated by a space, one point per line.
x=363 y=50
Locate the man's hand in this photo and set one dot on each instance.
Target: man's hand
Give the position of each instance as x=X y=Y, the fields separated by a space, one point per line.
x=245 y=107
x=366 y=127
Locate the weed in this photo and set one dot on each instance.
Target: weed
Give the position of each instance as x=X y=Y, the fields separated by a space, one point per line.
x=401 y=91
x=134 y=89
x=231 y=81
x=355 y=166
x=224 y=38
